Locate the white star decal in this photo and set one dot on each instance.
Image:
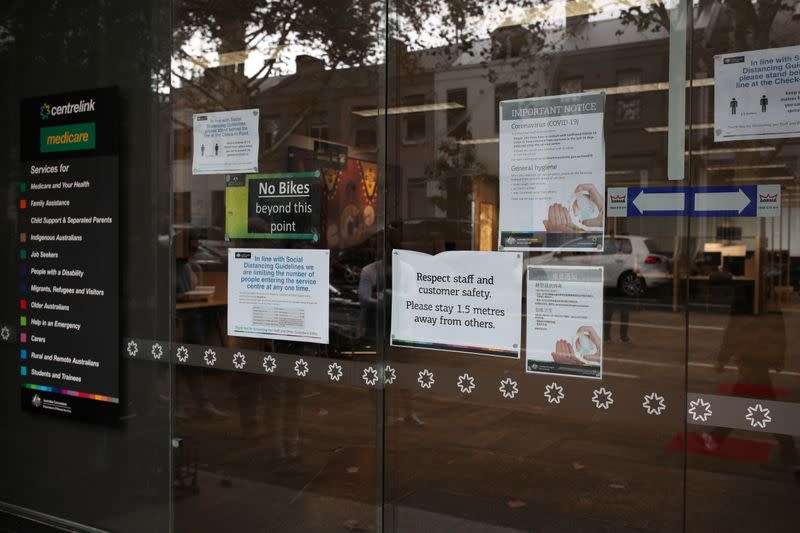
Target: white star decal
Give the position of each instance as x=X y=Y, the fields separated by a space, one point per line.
x=301 y=367
x=758 y=416
x=425 y=378
x=466 y=384
x=210 y=357
x=157 y=351
x=269 y=364
x=508 y=388
x=5 y=333
x=239 y=360
x=183 y=354
x=654 y=404
x=335 y=371
x=554 y=393
x=700 y=410
x=133 y=348
x=389 y=375
x=602 y=398
x=370 y=376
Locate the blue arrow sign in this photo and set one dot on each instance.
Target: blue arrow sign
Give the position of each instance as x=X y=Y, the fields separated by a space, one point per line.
x=716 y=201
x=725 y=201
x=658 y=201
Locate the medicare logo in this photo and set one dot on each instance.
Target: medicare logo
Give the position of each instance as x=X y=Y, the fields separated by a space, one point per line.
x=67 y=137
x=84 y=106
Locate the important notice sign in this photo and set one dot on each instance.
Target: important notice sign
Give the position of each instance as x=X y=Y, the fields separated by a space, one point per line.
x=552 y=173
x=68 y=254
x=273 y=206
x=565 y=321
x=460 y=301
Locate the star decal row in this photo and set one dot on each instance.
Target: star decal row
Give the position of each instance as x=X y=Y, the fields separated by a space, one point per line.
x=756 y=415
x=700 y=409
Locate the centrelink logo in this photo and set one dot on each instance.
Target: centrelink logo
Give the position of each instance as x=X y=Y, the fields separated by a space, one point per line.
x=84 y=106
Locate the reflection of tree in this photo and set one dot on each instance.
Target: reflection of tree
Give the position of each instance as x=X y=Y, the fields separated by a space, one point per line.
x=751 y=21
x=341 y=33
x=455 y=166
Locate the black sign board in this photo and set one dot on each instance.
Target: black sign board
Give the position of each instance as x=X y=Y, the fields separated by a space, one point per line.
x=69 y=255
x=284 y=206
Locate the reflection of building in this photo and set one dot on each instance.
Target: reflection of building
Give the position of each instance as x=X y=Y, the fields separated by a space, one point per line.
x=442 y=137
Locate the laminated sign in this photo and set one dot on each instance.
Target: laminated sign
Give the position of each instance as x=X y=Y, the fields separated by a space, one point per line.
x=460 y=301
x=225 y=142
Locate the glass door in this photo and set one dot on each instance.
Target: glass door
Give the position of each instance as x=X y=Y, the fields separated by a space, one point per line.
x=742 y=390
x=277 y=208
x=517 y=134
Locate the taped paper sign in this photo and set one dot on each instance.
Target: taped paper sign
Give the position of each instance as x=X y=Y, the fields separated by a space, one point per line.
x=461 y=301
x=225 y=142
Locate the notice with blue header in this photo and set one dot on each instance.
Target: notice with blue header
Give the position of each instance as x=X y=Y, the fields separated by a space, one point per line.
x=757 y=94
x=552 y=173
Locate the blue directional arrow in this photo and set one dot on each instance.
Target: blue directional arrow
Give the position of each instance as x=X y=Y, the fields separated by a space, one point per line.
x=658 y=201
x=724 y=201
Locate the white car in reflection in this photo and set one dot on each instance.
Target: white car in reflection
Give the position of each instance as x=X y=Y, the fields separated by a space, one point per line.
x=629 y=263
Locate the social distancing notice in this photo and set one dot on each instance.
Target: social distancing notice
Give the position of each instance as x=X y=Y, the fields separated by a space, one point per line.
x=757 y=94
x=278 y=294
x=461 y=301
x=225 y=142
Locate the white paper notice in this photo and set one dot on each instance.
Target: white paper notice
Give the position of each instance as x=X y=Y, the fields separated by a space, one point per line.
x=459 y=301
x=564 y=329
x=278 y=294
x=225 y=142
x=552 y=173
x=757 y=94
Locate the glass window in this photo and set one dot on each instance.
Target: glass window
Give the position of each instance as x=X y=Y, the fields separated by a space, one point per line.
x=604 y=301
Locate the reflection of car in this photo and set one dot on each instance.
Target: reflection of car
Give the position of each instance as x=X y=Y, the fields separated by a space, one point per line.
x=629 y=263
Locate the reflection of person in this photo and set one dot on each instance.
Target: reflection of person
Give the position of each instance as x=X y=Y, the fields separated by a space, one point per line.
x=764 y=101
x=369 y=299
x=279 y=401
x=559 y=219
x=757 y=345
x=192 y=330
x=614 y=302
x=216 y=148
x=734 y=105
x=202 y=149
